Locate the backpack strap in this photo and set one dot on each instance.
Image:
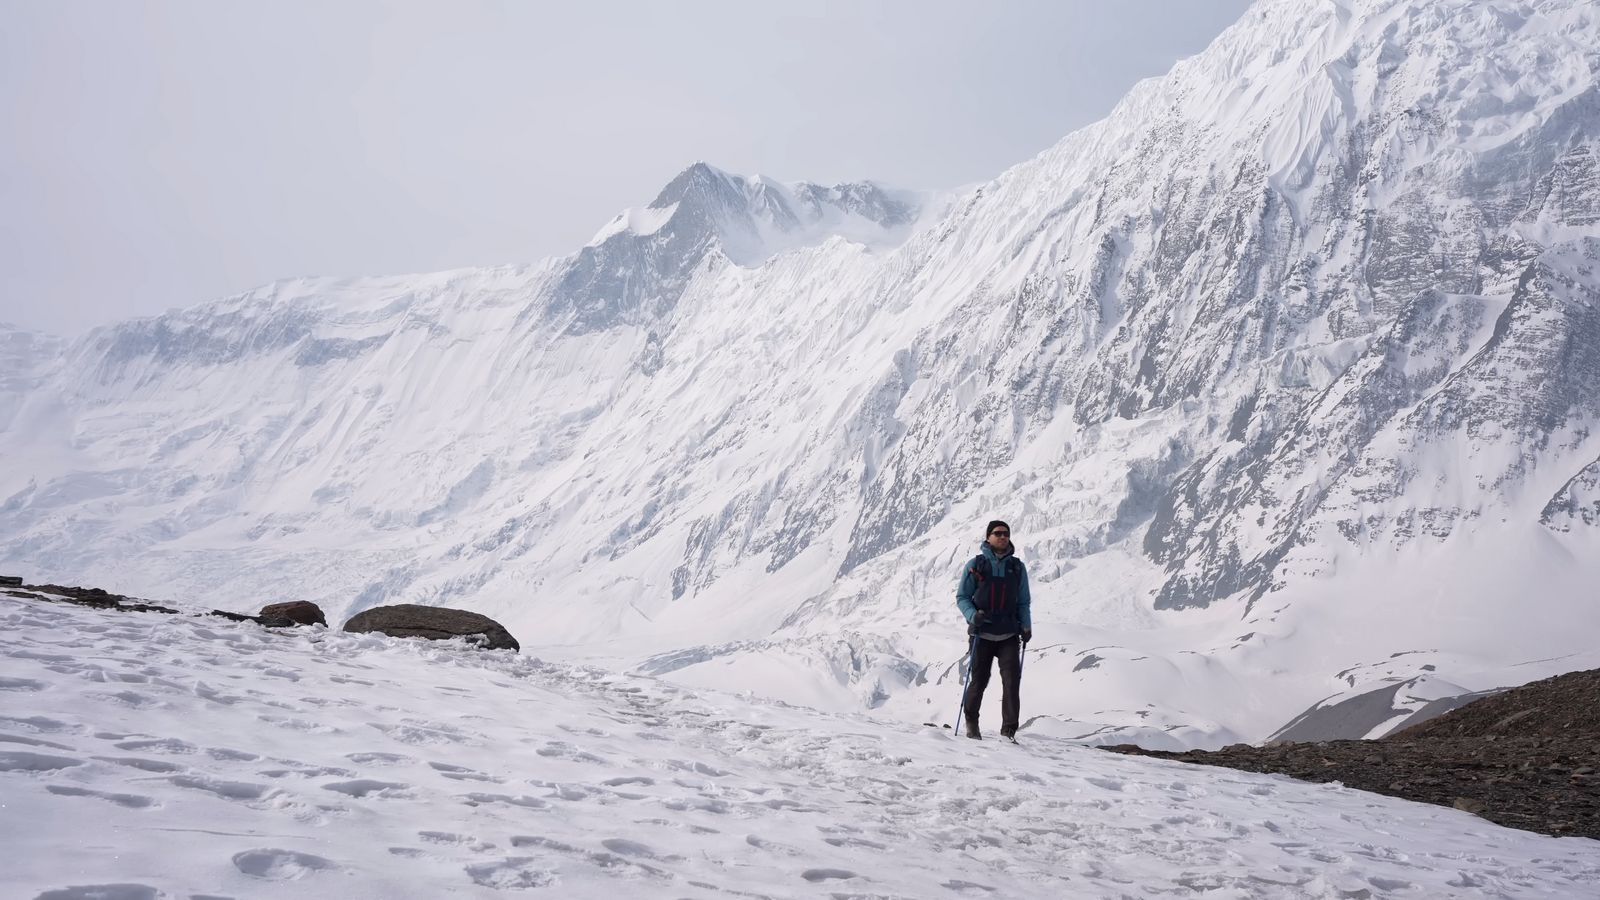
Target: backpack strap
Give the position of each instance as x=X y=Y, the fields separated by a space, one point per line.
x=976 y=567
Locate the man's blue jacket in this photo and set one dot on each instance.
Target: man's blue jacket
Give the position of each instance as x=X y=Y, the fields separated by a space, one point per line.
x=1004 y=598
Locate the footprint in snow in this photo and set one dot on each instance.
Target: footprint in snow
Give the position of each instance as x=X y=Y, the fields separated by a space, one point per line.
x=207 y=692
x=130 y=699
x=31 y=741
x=571 y=792
x=378 y=758
x=682 y=804
x=122 y=891
x=673 y=823
x=563 y=750
x=591 y=732
x=779 y=803
x=306 y=771
x=511 y=873
x=131 y=801
x=698 y=768
x=280 y=865
x=228 y=790
x=28 y=761
x=965 y=886
x=610 y=860
x=854 y=842
x=761 y=843
x=462 y=773
x=362 y=787
x=522 y=800
x=421 y=735
x=159 y=745
x=294 y=723
x=828 y=874
x=41 y=725
x=451 y=839
x=624 y=847
x=40 y=657
x=144 y=765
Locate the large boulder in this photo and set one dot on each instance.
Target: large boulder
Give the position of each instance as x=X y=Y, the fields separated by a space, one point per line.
x=434 y=623
x=300 y=612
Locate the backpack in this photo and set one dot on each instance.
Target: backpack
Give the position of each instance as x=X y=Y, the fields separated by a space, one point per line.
x=997 y=597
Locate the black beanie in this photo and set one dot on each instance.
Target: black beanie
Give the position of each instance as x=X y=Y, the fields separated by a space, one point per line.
x=993 y=525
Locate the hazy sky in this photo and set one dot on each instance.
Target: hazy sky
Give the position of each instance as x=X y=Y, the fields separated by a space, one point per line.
x=163 y=154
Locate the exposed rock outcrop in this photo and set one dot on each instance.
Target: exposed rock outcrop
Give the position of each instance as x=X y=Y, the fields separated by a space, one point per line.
x=434 y=623
x=1524 y=758
x=298 y=612
x=99 y=598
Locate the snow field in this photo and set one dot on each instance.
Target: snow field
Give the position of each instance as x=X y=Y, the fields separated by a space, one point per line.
x=147 y=756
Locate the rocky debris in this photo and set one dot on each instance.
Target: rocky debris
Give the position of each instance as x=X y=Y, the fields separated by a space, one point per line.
x=10 y=581
x=95 y=598
x=264 y=621
x=98 y=598
x=434 y=623
x=1556 y=709
x=400 y=620
x=1524 y=758
x=298 y=612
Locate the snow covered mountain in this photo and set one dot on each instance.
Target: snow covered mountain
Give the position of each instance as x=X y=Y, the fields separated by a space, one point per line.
x=1286 y=375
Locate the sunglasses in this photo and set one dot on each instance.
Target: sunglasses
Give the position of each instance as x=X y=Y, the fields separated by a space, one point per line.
x=1004 y=534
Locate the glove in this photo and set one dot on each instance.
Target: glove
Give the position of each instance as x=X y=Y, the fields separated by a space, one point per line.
x=977 y=622
x=1027 y=635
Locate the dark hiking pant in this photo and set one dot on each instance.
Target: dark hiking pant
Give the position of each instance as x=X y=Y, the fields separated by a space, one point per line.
x=1009 y=653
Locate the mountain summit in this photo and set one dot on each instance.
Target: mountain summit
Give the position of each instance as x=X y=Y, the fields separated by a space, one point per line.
x=636 y=267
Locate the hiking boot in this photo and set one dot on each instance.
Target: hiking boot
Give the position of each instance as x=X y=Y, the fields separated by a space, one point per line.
x=972 y=731
x=1009 y=734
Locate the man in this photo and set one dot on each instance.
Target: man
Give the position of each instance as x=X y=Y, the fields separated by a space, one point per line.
x=994 y=597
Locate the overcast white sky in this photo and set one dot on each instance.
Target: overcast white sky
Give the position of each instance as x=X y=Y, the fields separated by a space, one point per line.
x=155 y=155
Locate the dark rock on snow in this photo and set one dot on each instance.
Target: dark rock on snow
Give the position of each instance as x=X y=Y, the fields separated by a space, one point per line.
x=95 y=598
x=1524 y=758
x=400 y=620
x=435 y=623
x=264 y=621
x=298 y=612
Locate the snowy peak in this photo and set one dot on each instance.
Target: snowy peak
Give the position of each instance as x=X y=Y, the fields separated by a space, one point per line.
x=754 y=218
x=636 y=267
x=760 y=216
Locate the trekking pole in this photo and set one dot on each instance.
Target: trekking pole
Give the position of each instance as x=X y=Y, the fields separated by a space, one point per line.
x=972 y=653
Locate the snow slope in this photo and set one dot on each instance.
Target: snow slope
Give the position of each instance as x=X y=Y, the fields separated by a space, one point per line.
x=1286 y=372
x=148 y=756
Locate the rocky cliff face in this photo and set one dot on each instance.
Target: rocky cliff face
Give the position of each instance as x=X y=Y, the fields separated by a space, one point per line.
x=1322 y=297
